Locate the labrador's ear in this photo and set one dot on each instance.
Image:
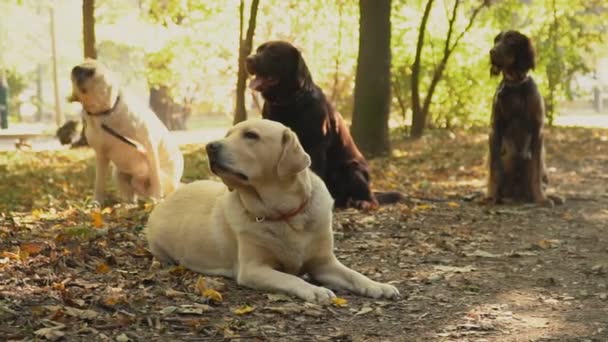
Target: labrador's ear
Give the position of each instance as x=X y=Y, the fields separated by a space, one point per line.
x=293 y=158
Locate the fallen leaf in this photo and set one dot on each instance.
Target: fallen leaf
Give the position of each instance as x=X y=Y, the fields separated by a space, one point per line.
x=213 y=295
x=102 y=268
x=171 y=293
x=547 y=244
x=364 y=310
x=245 y=309
x=422 y=207
x=114 y=299
x=122 y=338
x=51 y=333
x=483 y=254
x=32 y=248
x=339 y=302
x=82 y=314
x=196 y=309
x=178 y=270
x=453 y=205
x=454 y=269
x=201 y=285
x=97 y=219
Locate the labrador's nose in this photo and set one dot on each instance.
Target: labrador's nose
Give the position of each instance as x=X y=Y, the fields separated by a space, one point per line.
x=213 y=148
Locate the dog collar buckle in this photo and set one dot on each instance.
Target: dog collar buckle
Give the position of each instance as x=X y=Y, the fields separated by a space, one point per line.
x=260 y=219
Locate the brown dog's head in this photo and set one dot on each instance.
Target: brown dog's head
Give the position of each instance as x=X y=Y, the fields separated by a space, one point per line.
x=278 y=68
x=93 y=86
x=68 y=132
x=257 y=151
x=512 y=54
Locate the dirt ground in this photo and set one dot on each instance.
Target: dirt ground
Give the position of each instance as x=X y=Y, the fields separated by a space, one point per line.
x=467 y=271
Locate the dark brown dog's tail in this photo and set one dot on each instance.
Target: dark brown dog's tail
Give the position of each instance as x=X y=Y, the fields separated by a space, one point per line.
x=388 y=197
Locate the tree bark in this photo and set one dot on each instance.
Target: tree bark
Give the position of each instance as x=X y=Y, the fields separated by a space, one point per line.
x=88 y=28
x=58 y=112
x=418 y=117
x=245 y=47
x=161 y=104
x=90 y=51
x=373 y=81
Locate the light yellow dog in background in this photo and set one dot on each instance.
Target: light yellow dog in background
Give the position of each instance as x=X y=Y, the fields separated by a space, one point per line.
x=269 y=224
x=127 y=133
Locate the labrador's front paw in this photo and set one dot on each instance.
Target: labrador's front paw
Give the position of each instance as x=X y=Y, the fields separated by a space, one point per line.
x=317 y=294
x=380 y=290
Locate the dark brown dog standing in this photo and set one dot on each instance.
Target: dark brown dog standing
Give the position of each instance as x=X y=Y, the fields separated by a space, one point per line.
x=293 y=99
x=517 y=155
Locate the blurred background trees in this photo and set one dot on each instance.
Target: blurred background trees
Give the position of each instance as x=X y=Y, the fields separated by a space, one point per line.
x=183 y=55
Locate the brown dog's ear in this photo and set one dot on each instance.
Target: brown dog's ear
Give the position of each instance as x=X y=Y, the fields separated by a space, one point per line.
x=525 y=58
x=303 y=74
x=293 y=158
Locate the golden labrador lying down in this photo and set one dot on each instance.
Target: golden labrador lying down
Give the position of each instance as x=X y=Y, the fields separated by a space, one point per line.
x=269 y=223
x=127 y=133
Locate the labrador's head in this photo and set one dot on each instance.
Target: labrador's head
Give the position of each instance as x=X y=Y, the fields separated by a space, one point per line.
x=278 y=66
x=255 y=152
x=94 y=86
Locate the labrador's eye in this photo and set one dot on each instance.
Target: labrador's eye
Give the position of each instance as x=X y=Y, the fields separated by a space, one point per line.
x=251 y=135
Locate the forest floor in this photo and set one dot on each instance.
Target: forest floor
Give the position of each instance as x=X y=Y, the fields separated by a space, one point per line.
x=467 y=271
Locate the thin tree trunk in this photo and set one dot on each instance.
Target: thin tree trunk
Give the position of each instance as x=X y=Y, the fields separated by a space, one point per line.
x=418 y=116
x=161 y=104
x=245 y=46
x=373 y=81
x=58 y=113
x=88 y=28
x=90 y=50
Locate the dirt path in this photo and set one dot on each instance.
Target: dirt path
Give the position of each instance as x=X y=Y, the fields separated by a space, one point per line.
x=468 y=272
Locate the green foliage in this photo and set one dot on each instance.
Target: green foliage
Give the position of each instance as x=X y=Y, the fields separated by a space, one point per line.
x=192 y=47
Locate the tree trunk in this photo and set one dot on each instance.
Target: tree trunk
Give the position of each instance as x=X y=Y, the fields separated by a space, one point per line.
x=418 y=116
x=373 y=81
x=162 y=104
x=58 y=113
x=245 y=46
x=88 y=39
x=88 y=28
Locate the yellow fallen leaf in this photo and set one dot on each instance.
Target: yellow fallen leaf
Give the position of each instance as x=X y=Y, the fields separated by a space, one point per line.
x=37 y=213
x=102 y=268
x=106 y=210
x=453 y=205
x=97 y=219
x=339 y=302
x=178 y=270
x=245 y=309
x=422 y=207
x=213 y=295
x=201 y=285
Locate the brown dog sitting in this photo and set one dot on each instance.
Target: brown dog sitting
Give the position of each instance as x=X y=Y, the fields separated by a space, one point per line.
x=293 y=99
x=517 y=155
